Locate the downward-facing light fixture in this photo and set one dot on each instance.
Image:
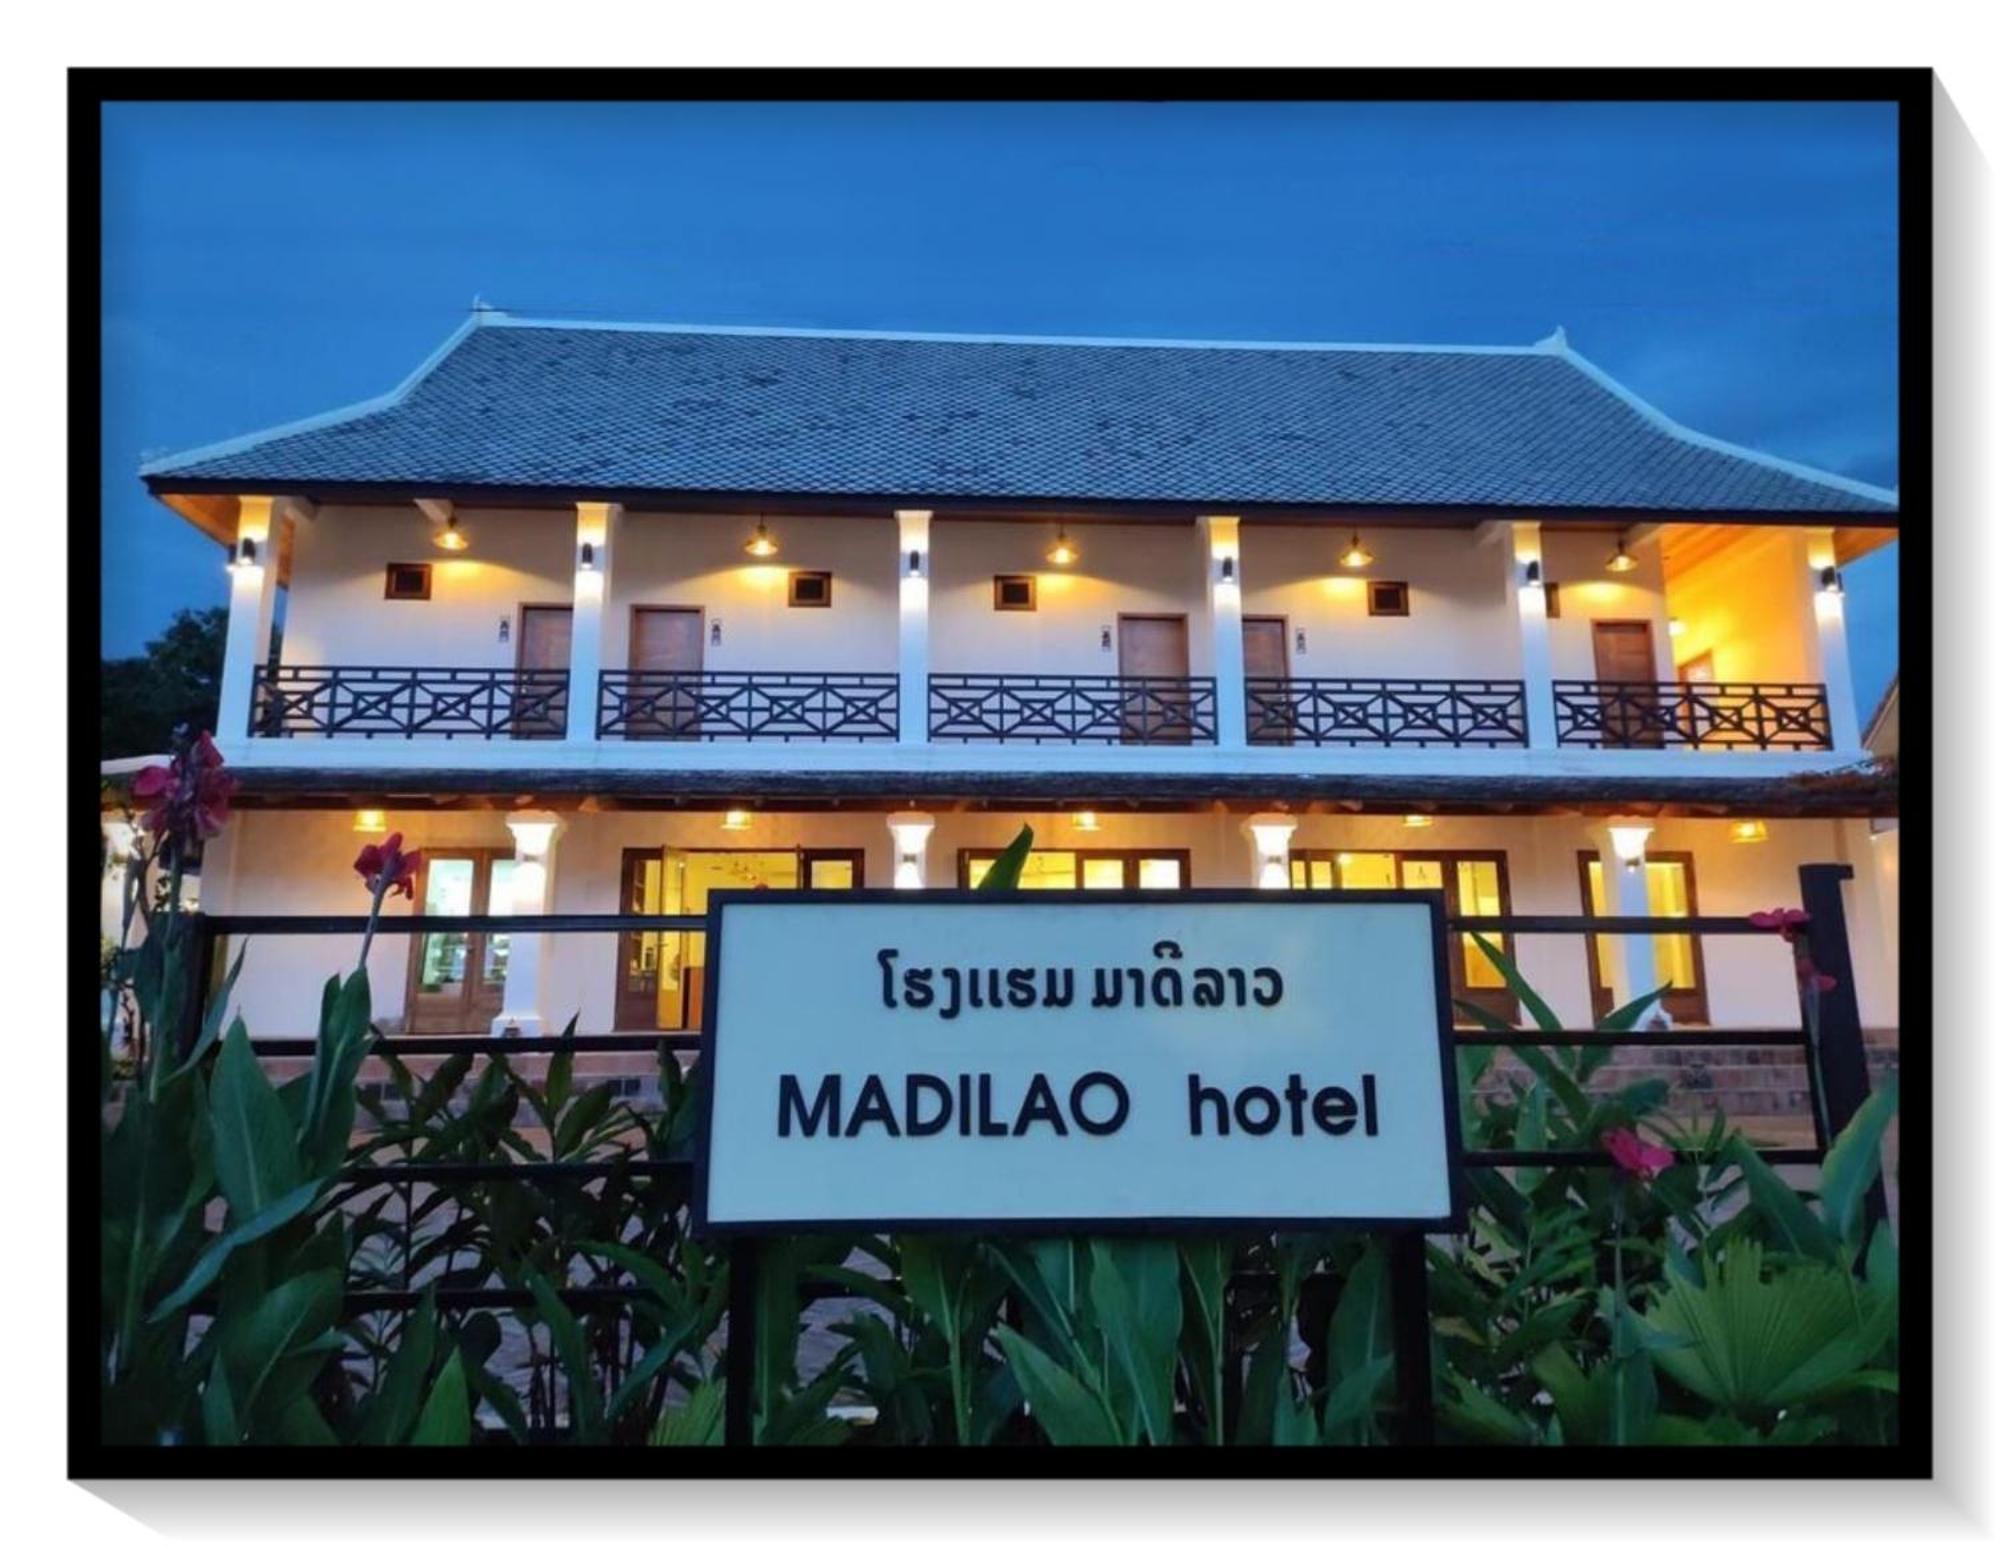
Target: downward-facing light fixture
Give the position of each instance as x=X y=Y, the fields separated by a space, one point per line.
x=762 y=544
x=245 y=556
x=1531 y=572
x=1084 y=821
x=1621 y=562
x=586 y=556
x=1356 y=556
x=736 y=820
x=371 y=821
x=1419 y=819
x=1751 y=831
x=1064 y=553
x=1829 y=581
x=449 y=537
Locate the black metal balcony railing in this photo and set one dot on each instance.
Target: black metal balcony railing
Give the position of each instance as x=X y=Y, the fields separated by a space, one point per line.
x=409 y=701
x=1762 y=715
x=1386 y=712
x=747 y=705
x=1154 y=711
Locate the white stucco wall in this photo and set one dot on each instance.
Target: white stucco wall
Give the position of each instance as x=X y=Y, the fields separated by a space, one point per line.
x=301 y=862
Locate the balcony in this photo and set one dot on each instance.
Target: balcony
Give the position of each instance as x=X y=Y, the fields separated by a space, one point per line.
x=999 y=707
x=1363 y=712
x=747 y=706
x=407 y=702
x=1727 y=716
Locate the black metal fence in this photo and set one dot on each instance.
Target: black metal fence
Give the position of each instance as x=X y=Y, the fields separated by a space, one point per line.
x=1762 y=716
x=748 y=705
x=1386 y=712
x=1001 y=706
x=1834 y=1056
x=410 y=701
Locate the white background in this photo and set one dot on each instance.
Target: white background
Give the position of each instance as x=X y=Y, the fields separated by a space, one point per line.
x=1953 y=36
x=801 y=994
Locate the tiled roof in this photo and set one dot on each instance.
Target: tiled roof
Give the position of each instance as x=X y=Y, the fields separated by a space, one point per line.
x=516 y=404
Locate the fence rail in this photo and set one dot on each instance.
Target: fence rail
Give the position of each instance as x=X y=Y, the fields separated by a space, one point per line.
x=1765 y=716
x=1386 y=712
x=999 y=706
x=748 y=705
x=481 y=703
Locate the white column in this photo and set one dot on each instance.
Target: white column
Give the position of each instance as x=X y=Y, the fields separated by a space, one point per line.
x=911 y=831
x=1223 y=562
x=1525 y=579
x=913 y=629
x=1830 y=627
x=593 y=645
x=253 y=596
x=1621 y=850
x=1270 y=835
x=523 y=1012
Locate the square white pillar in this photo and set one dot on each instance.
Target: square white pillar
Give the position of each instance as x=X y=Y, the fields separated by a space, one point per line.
x=1621 y=850
x=1222 y=552
x=913 y=626
x=253 y=598
x=911 y=831
x=1527 y=579
x=594 y=646
x=1270 y=835
x=1829 y=611
x=523 y=1010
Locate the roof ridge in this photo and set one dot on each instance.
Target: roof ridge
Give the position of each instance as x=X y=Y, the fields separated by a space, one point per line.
x=496 y=318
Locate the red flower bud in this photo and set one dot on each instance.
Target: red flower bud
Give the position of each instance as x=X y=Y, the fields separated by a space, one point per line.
x=1634 y=1156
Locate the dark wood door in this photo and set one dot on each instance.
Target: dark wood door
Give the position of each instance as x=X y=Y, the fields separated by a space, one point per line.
x=1624 y=657
x=544 y=646
x=668 y=639
x=1264 y=658
x=1154 y=645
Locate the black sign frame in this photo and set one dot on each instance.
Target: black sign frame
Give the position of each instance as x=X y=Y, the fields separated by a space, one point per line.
x=720 y=902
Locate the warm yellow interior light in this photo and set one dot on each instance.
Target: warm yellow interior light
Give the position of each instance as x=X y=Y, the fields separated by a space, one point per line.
x=1676 y=628
x=762 y=544
x=1750 y=831
x=736 y=820
x=1064 y=552
x=371 y=821
x=1418 y=819
x=1084 y=821
x=1356 y=556
x=449 y=537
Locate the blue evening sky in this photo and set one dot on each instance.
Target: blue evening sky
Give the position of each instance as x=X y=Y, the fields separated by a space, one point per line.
x=1733 y=263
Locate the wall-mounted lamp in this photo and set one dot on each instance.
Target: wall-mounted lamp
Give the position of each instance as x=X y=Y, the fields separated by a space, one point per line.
x=371 y=821
x=910 y=831
x=245 y=556
x=506 y=630
x=1229 y=569
x=736 y=820
x=1628 y=842
x=715 y=631
x=1419 y=819
x=586 y=556
x=1064 y=552
x=1751 y=831
x=449 y=537
x=1531 y=572
x=1271 y=834
x=1830 y=583
x=1356 y=556
x=1104 y=637
x=762 y=545
x=1084 y=821
x=1675 y=628
x=1621 y=562
x=914 y=565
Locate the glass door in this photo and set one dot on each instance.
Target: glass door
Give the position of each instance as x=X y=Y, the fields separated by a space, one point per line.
x=458 y=979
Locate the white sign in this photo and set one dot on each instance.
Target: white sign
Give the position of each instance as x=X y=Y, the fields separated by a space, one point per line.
x=1016 y=1062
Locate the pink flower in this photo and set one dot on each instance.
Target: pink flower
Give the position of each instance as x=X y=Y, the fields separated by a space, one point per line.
x=1810 y=976
x=386 y=868
x=1634 y=1156
x=186 y=800
x=1786 y=921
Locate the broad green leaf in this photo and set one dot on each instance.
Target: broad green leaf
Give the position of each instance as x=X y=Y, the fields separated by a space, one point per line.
x=256 y=1147
x=210 y=1262
x=447 y=1415
x=1537 y=1008
x=1135 y=1291
x=1852 y=1163
x=285 y=1319
x=395 y=1406
x=698 y=1422
x=1067 y=1413
x=1005 y=876
x=1792 y=1225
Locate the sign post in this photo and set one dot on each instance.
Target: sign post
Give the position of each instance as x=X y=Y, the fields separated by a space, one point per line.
x=1103 y=1063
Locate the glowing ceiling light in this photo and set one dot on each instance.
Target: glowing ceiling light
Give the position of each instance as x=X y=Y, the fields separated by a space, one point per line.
x=371 y=821
x=736 y=820
x=1356 y=556
x=1084 y=821
x=1621 y=562
x=1751 y=831
x=449 y=537
x=762 y=544
x=1064 y=553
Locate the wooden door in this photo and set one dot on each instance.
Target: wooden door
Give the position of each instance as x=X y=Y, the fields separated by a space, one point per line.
x=1266 y=664
x=544 y=646
x=668 y=639
x=1154 y=645
x=458 y=980
x=1624 y=655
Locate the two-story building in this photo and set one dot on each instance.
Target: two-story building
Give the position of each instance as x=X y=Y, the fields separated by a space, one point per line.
x=607 y=617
